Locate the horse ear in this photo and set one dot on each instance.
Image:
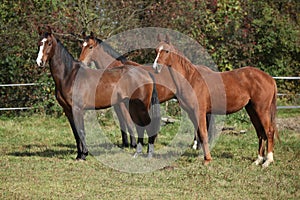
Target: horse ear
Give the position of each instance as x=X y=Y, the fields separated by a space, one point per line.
x=159 y=37
x=40 y=32
x=92 y=35
x=83 y=35
x=79 y=44
x=168 y=39
x=49 y=30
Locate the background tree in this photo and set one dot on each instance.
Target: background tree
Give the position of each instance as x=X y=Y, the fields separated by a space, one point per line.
x=236 y=33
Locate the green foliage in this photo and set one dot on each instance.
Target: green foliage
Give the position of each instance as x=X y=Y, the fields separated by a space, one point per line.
x=236 y=33
x=240 y=118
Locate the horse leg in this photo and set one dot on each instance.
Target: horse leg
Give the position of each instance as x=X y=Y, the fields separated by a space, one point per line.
x=79 y=125
x=210 y=129
x=196 y=142
x=203 y=137
x=269 y=134
x=259 y=131
x=151 y=141
x=139 y=148
x=122 y=126
x=75 y=133
x=129 y=124
x=152 y=134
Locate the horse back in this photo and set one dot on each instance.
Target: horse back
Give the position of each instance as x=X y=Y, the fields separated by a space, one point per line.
x=249 y=84
x=116 y=84
x=252 y=79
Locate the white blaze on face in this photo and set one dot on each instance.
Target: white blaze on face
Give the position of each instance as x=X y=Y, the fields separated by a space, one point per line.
x=84 y=44
x=40 y=55
x=155 y=61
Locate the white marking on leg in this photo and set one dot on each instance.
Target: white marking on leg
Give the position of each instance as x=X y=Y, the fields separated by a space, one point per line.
x=269 y=160
x=139 y=149
x=259 y=160
x=40 y=54
x=155 y=61
x=150 y=150
x=195 y=144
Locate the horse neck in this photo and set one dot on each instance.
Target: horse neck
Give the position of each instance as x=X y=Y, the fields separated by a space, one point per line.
x=61 y=64
x=102 y=58
x=184 y=67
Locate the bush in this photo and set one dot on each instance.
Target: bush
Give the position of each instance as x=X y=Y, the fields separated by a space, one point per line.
x=236 y=33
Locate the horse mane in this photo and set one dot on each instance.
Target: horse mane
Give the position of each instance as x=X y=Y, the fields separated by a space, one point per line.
x=66 y=57
x=108 y=49
x=185 y=62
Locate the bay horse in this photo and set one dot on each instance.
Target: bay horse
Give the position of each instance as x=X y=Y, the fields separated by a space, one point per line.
x=104 y=56
x=109 y=59
x=223 y=93
x=79 y=88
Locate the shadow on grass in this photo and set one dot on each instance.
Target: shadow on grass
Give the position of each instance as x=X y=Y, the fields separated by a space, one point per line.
x=59 y=150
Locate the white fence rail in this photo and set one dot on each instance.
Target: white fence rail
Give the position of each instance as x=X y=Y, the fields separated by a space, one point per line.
x=33 y=84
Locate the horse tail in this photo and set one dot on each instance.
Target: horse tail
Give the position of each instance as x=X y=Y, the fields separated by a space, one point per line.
x=154 y=109
x=273 y=112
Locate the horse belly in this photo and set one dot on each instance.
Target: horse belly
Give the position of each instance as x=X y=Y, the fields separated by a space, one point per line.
x=236 y=103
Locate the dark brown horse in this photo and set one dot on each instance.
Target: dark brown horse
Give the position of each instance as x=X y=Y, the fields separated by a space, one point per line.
x=103 y=56
x=223 y=93
x=80 y=88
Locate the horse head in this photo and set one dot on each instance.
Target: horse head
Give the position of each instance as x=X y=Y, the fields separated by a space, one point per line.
x=165 y=51
x=88 y=46
x=47 y=44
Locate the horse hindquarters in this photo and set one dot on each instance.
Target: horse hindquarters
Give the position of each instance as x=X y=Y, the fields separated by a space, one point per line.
x=272 y=129
x=263 y=118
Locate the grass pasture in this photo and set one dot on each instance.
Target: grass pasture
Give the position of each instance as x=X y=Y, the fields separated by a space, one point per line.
x=37 y=162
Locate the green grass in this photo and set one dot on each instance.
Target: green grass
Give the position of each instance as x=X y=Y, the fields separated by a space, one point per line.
x=284 y=113
x=37 y=162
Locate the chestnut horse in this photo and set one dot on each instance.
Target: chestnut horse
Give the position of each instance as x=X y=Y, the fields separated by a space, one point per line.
x=104 y=56
x=80 y=88
x=223 y=93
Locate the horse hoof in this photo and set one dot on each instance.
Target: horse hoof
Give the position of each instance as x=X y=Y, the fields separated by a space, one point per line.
x=206 y=162
x=82 y=156
x=266 y=164
x=139 y=149
x=259 y=160
x=150 y=155
x=150 y=150
x=195 y=145
x=135 y=155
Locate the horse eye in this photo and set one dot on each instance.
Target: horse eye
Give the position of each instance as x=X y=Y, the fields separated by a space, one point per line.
x=90 y=47
x=50 y=43
x=167 y=51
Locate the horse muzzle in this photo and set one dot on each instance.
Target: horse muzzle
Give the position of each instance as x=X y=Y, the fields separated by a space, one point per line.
x=157 y=67
x=40 y=63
